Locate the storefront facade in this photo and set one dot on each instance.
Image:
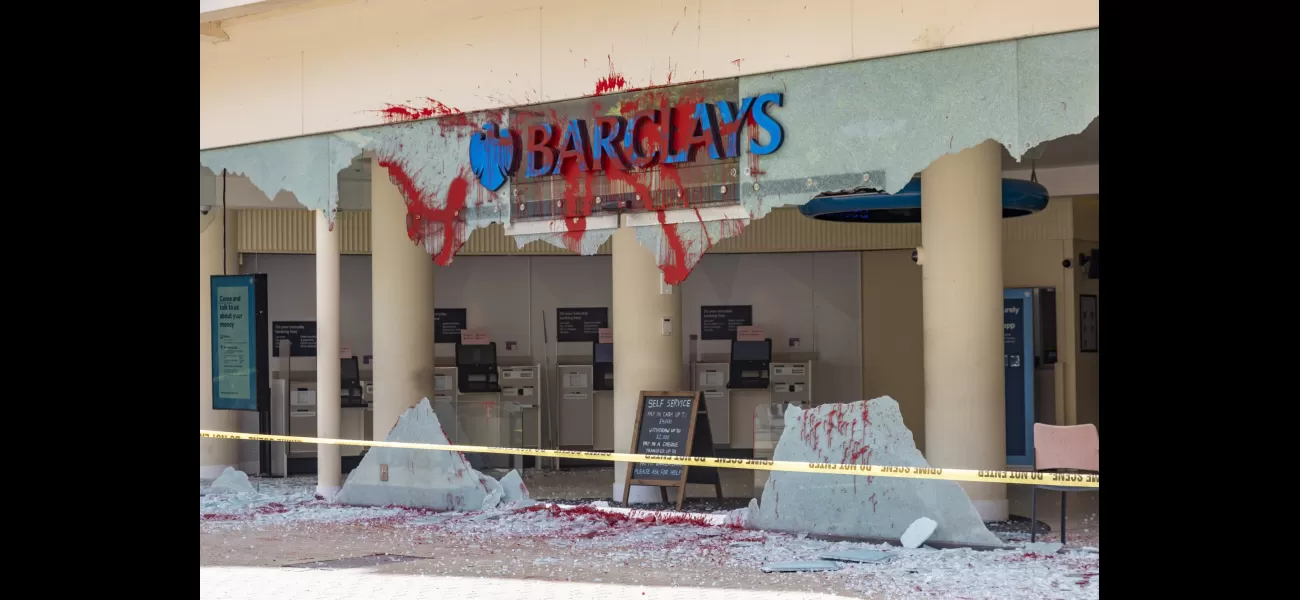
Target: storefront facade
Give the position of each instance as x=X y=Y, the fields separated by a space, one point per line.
x=680 y=132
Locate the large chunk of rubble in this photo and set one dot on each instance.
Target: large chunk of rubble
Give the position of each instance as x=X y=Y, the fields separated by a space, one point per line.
x=434 y=479
x=864 y=432
x=231 y=481
x=513 y=490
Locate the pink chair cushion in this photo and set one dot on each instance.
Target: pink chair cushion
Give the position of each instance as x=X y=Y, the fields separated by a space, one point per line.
x=1066 y=447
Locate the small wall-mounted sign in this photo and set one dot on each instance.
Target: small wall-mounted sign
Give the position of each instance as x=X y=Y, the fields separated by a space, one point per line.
x=794 y=342
x=720 y=322
x=383 y=472
x=301 y=336
x=580 y=324
x=447 y=323
x=474 y=337
x=750 y=333
x=345 y=351
x=605 y=335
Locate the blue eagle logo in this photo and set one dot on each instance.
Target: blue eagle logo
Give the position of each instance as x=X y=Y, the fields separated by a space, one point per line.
x=493 y=155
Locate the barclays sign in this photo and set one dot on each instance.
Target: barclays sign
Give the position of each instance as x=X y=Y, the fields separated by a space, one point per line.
x=643 y=140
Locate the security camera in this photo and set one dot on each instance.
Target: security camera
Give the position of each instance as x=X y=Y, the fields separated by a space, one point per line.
x=203 y=210
x=918 y=255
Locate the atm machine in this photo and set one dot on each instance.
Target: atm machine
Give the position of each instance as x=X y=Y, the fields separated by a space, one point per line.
x=711 y=380
x=603 y=366
x=303 y=404
x=586 y=415
x=751 y=364
x=603 y=397
x=521 y=422
x=478 y=399
x=746 y=395
x=476 y=368
x=302 y=417
x=444 y=402
x=352 y=419
x=748 y=383
x=350 y=392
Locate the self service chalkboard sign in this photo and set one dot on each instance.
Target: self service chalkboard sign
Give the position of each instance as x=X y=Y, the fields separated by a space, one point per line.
x=671 y=424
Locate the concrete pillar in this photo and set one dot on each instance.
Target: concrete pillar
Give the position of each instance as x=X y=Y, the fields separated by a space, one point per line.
x=329 y=404
x=402 y=288
x=645 y=358
x=214 y=259
x=961 y=282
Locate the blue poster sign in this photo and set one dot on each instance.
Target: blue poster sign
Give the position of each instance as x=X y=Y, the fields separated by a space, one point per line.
x=1018 y=363
x=240 y=378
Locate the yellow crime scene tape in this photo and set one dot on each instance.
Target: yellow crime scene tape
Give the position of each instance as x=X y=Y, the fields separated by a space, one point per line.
x=970 y=475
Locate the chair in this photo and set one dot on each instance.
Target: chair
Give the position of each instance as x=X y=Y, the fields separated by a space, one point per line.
x=1068 y=449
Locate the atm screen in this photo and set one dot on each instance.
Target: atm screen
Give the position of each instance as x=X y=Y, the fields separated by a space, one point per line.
x=747 y=351
x=604 y=353
x=476 y=355
x=349 y=369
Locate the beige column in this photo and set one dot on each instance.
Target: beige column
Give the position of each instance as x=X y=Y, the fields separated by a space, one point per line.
x=214 y=259
x=647 y=353
x=402 y=293
x=329 y=409
x=961 y=282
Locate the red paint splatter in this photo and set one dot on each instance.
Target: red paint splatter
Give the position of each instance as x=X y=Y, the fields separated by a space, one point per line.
x=834 y=425
x=675 y=269
x=423 y=220
x=751 y=126
x=1030 y=556
x=273 y=508
x=659 y=188
x=396 y=113
x=618 y=519
x=613 y=82
x=579 y=196
x=737 y=63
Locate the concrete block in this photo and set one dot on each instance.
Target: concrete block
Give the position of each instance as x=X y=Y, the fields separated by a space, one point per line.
x=434 y=479
x=863 y=432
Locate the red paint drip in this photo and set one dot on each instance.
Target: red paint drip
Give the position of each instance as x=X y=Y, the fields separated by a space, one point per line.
x=751 y=126
x=675 y=269
x=656 y=186
x=423 y=220
x=613 y=82
x=579 y=196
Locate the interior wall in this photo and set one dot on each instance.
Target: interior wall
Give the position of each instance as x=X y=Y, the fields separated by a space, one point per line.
x=893 y=351
x=291 y=296
x=812 y=296
x=1087 y=396
x=566 y=282
x=494 y=291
